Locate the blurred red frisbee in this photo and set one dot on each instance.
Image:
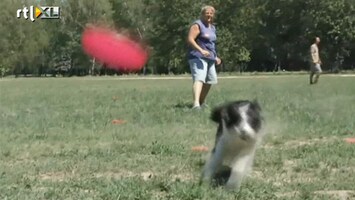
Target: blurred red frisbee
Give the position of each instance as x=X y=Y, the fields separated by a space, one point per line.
x=350 y=140
x=115 y=50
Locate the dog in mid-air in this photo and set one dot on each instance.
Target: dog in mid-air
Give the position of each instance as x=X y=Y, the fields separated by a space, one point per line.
x=239 y=133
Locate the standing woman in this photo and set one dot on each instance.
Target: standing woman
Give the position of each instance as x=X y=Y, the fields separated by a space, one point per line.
x=202 y=55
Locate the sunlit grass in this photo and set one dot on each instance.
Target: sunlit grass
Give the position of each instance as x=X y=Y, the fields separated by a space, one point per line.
x=58 y=139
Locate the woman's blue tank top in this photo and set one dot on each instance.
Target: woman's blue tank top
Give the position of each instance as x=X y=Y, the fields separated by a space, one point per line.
x=206 y=40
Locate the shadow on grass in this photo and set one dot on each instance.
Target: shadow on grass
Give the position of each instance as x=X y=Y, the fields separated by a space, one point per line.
x=221 y=177
x=183 y=105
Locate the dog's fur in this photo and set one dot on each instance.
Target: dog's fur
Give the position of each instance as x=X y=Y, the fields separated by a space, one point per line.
x=238 y=134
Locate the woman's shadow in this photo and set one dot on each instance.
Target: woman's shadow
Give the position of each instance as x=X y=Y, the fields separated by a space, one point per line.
x=183 y=105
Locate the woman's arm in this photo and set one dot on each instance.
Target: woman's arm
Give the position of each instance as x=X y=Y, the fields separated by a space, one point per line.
x=193 y=33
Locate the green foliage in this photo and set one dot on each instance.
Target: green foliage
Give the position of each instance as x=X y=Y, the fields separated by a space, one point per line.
x=253 y=35
x=3 y=71
x=67 y=43
x=334 y=21
x=171 y=21
x=22 y=40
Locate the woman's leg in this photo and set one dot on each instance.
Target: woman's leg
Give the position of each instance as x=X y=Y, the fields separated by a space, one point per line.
x=197 y=90
x=198 y=69
x=204 y=91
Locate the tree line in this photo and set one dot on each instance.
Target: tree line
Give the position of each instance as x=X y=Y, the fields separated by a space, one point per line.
x=253 y=35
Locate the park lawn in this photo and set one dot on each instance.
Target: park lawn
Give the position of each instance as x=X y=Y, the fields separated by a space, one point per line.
x=57 y=139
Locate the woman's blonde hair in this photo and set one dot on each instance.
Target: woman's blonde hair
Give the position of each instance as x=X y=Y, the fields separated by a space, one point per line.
x=204 y=8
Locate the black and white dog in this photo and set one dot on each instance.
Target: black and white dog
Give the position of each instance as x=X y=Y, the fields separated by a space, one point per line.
x=238 y=134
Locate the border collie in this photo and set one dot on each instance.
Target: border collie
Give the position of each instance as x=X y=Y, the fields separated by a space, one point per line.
x=238 y=135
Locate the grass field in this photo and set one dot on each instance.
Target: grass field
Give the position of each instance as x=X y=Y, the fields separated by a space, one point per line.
x=57 y=139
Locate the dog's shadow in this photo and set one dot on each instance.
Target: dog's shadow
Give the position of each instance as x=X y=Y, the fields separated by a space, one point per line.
x=221 y=177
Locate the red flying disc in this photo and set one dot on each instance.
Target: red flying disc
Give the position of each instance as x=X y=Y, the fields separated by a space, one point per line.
x=350 y=140
x=114 y=50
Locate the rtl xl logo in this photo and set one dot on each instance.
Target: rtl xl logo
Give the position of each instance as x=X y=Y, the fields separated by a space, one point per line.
x=42 y=12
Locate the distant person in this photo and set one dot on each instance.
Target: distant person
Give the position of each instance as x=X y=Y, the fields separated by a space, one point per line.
x=315 y=61
x=202 y=56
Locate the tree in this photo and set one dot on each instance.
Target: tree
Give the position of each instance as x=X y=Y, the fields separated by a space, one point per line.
x=334 y=22
x=169 y=22
x=22 y=41
x=237 y=26
x=253 y=35
x=67 y=38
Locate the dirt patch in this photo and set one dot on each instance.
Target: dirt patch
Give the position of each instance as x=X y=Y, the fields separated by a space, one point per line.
x=288 y=175
x=114 y=175
x=159 y=194
x=300 y=143
x=124 y=174
x=257 y=174
x=183 y=177
x=62 y=176
x=286 y=178
x=292 y=194
x=350 y=170
x=54 y=176
x=339 y=194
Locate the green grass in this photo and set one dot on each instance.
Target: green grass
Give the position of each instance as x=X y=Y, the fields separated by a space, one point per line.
x=57 y=140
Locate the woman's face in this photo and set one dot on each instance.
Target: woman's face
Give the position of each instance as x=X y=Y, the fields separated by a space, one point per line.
x=208 y=15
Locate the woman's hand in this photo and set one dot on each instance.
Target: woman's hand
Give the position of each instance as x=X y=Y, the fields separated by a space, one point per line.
x=218 y=61
x=205 y=53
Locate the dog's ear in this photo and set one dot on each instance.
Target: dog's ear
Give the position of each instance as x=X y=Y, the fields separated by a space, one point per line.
x=221 y=116
x=216 y=114
x=220 y=113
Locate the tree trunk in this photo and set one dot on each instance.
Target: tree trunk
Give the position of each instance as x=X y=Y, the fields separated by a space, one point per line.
x=93 y=67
